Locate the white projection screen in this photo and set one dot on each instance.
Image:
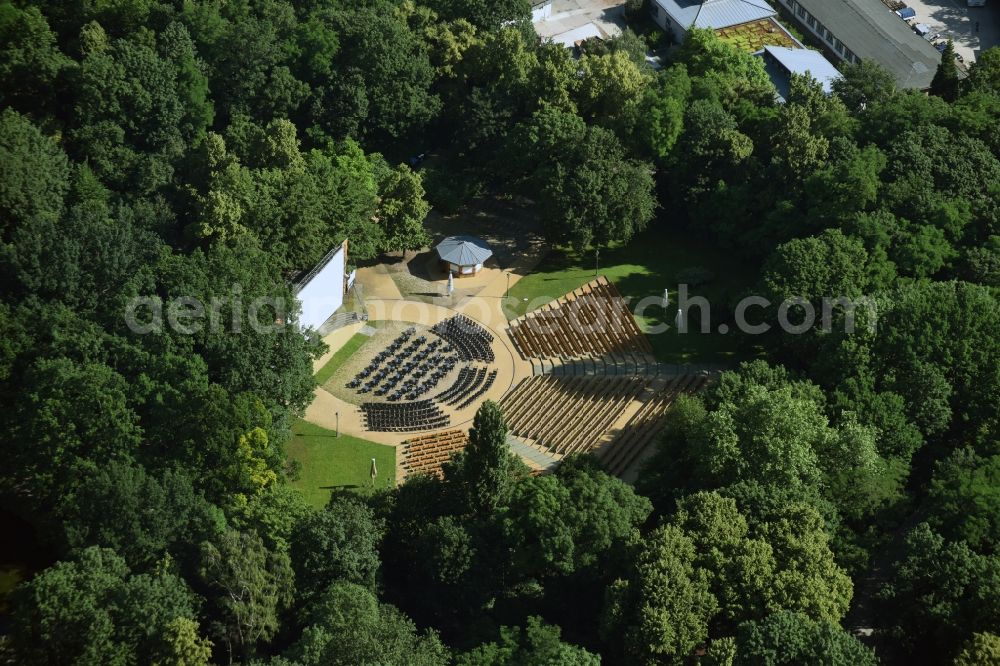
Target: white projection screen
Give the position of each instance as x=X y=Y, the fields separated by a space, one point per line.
x=321 y=292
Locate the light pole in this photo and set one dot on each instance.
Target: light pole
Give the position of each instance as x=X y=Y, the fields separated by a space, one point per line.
x=507 y=295
x=338 y=425
x=597 y=258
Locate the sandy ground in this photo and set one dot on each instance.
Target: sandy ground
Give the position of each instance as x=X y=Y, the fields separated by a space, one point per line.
x=376 y=283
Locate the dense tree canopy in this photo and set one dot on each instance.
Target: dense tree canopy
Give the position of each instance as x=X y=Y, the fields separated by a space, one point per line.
x=941 y=593
x=94 y=610
x=537 y=643
x=792 y=638
x=338 y=543
x=348 y=625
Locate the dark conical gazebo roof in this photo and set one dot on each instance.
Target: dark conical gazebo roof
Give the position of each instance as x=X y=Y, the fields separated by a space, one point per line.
x=464 y=250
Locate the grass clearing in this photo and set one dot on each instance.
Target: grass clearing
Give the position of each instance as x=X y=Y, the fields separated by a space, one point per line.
x=642 y=269
x=356 y=342
x=329 y=462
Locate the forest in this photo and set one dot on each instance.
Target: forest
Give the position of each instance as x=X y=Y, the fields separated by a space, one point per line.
x=198 y=148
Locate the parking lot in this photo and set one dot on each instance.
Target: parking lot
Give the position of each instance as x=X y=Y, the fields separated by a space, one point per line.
x=954 y=20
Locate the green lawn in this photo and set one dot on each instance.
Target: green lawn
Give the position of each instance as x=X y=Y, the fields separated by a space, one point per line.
x=329 y=462
x=341 y=355
x=644 y=268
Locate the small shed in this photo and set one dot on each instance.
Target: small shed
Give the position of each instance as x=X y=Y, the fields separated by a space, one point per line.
x=463 y=255
x=906 y=13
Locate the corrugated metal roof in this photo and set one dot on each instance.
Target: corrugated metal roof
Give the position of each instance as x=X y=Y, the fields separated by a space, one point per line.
x=874 y=32
x=464 y=250
x=806 y=61
x=715 y=14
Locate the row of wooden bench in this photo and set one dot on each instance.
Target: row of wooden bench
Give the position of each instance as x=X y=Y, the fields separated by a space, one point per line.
x=615 y=312
x=645 y=426
x=586 y=321
x=426 y=454
x=592 y=320
x=568 y=414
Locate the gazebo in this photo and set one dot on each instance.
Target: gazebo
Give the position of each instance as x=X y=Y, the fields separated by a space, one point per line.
x=463 y=255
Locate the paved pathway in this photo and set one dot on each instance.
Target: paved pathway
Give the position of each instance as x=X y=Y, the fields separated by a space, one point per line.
x=377 y=283
x=955 y=20
x=536 y=456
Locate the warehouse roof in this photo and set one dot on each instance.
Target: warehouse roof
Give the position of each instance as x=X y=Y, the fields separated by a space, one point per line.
x=873 y=32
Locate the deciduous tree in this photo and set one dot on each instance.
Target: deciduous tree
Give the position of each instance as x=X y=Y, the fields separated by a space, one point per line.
x=786 y=639
x=248 y=587
x=661 y=609
x=402 y=208
x=536 y=643
x=339 y=542
x=864 y=84
x=92 y=610
x=349 y=626
x=940 y=593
